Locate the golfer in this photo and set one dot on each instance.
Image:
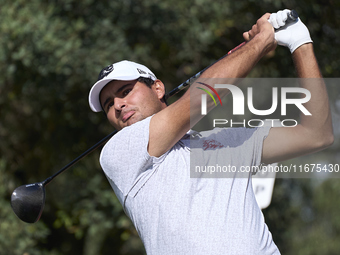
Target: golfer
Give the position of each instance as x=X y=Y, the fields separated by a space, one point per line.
x=148 y=161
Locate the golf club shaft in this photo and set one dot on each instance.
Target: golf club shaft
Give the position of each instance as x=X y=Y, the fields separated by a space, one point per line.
x=292 y=16
x=94 y=147
x=189 y=81
x=105 y=139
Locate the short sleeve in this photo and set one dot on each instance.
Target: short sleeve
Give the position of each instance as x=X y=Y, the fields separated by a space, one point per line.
x=238 y=149
x=261 y=134
x=125 y=157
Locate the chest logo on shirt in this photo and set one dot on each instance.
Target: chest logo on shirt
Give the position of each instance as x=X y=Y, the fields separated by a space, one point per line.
x=211 y=144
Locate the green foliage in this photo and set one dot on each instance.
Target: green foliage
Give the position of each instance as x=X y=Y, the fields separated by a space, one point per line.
x=51 y=53
x=17 y=237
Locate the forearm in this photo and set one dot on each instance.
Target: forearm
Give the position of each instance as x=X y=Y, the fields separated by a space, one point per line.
x=305 y=62
x=170 y=124
x=314 y=132
x=231 y=69
x=241 y=62
x=319 y=124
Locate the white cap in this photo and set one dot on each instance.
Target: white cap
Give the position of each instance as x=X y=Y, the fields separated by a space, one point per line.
x=122 y=71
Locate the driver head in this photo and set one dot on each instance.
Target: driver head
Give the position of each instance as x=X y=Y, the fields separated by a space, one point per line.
x=28 y=202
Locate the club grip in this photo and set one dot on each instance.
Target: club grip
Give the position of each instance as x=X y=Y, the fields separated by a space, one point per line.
x=293 y=15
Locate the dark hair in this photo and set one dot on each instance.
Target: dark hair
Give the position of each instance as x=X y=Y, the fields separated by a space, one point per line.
x=149 y=82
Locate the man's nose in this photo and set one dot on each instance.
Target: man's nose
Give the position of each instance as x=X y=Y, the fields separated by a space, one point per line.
x=119 y=103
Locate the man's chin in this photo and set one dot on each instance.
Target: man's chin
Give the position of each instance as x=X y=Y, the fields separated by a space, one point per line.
x=132 y=120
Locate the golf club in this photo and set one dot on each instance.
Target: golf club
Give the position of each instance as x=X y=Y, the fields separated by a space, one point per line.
x=28 y=201
x=292 y=16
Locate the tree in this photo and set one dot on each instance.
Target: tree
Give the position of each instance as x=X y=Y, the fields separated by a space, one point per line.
x=50 y=55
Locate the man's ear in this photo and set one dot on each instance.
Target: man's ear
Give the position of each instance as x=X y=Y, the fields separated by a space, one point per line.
x=159 y=88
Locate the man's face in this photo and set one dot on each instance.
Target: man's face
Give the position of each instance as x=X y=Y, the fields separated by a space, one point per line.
x=127 y=102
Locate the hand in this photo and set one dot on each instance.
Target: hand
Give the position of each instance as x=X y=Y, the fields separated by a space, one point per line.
x=291 y=35
x=264 y=30
x=260 y=26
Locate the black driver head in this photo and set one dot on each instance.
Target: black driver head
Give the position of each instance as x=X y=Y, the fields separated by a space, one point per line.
x=28 y=202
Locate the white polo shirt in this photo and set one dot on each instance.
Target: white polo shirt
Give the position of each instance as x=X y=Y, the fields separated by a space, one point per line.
x=176 y=214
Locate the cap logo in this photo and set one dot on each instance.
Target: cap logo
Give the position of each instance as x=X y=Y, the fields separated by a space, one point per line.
x=151 y=74
x=105 y=72
x=141 y=71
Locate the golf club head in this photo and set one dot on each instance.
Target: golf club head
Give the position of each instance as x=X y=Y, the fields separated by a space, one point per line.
x=28 y=202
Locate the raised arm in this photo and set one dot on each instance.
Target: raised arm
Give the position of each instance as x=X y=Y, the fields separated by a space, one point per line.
x=170 y=124
x=315 y=131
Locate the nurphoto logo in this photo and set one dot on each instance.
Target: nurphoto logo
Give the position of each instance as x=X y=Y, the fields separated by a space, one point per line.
x=204 y=97
x=239 y=99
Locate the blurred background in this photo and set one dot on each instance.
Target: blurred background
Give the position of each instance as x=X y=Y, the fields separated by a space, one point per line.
x=51 y=53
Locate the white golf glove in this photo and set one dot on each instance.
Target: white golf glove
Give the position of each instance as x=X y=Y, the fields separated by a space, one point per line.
x=292 y=35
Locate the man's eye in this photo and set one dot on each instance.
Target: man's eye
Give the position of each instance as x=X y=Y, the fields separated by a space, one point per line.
x=127 y=91
x=109 y=105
